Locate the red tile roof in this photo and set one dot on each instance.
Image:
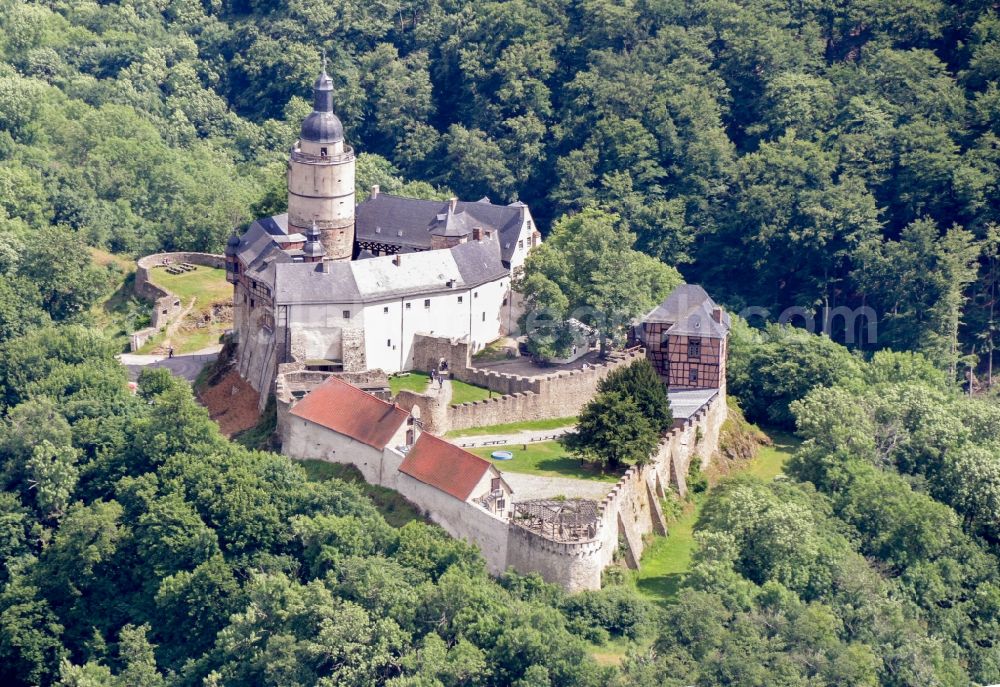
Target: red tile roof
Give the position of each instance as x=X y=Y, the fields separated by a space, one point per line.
x=348 y=410
x=445 y=466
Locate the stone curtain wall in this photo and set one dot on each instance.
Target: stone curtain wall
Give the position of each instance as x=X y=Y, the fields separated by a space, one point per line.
x=629 y=511
x=166 y=305
x=560 y=394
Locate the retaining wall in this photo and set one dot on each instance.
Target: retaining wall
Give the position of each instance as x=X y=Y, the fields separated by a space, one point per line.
x=166 y=305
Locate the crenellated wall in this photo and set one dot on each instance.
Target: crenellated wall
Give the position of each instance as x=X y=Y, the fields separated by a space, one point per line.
x=560 y=394
x=630 y=510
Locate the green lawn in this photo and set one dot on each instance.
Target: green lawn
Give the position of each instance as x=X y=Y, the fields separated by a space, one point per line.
x=413 y=381
x=545 y=458
x=206 y=285
x=396 y=510
x=417 y=381
x=666 y=560
x=514 y=427
x=771 y=459
x=467 y=393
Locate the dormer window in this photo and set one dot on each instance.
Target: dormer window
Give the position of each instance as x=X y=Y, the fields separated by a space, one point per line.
x=322 y=152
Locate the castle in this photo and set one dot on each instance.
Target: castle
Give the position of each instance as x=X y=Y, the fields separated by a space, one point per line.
x=344 y=287
x=332 y=294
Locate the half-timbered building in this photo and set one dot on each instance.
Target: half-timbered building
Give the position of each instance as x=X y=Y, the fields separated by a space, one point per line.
x=686 y=338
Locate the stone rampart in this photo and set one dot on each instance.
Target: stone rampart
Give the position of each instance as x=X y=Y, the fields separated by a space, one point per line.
x=166 y=305
x=626 y=515
x=630 y=510
x=520 y=398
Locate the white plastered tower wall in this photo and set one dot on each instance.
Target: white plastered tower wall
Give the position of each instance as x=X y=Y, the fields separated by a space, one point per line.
x=321 y=177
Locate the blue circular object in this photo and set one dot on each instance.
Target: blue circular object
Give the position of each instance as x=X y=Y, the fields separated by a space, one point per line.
x=502 y=455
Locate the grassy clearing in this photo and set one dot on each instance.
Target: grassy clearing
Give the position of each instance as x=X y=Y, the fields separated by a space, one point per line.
x=413 y=381
x=467 y=393
x=547 y=459
x=514 y=427
x=103 y=258
x=667 y=559
x=612 y=652
x=207 y=285
x=770 y=460
x=396 y=510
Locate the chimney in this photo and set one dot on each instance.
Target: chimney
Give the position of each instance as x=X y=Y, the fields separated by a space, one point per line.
x=327 y=265
x=477 y=233
x=375 y=190
x=717 y=314
x=396 y=260
x=452 y=203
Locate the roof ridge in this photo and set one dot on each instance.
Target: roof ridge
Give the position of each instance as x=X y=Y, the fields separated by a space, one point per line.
x=455 y=446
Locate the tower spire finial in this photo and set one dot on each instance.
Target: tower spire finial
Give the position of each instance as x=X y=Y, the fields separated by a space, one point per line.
x=324 y=60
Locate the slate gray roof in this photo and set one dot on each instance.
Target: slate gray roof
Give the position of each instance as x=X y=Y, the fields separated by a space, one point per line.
x=411 y=222
x=478 y=262
x=258 y=243
x=379 y=278
x=688 y=309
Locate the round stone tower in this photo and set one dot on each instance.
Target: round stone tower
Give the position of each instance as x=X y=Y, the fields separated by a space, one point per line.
x=321 y=177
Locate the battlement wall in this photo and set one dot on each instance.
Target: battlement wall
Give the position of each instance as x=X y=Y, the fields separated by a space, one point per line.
x=629 y=511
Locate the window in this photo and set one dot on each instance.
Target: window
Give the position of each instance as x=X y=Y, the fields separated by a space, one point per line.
x=427 y=302
x=252 y=303
x=322 y=152
x=459 y=299
x=520 y=244
x=694 y=349
x=408 y=306
x=693 y=375
x=386 y=310
x=495 y=484
x=388 y=343
x=501 y=504
x=484 y=317
x=347 y=314
x=475 y=294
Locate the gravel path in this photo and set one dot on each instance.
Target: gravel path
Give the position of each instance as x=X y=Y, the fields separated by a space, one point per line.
x=527 y=487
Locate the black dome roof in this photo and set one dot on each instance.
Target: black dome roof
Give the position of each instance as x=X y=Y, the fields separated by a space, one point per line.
x=322 y=126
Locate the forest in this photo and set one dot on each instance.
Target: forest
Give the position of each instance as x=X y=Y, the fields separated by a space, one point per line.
x=811 y=154
x=832 y=154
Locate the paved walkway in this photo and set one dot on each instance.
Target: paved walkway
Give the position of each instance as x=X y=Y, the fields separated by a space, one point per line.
x=185 y=366
x=527 y=487
x=522 y=437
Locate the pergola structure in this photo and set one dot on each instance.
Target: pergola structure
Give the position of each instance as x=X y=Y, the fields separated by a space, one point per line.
x=564 y=520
